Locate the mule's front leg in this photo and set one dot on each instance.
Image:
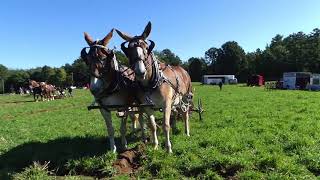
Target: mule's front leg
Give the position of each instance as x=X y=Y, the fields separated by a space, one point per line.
x=134 y=118
x=123 y=131
x=143 y=128
x=107 y=118
x=185 y=116
x=173 y=120
x=166 y=125
x=153 y=127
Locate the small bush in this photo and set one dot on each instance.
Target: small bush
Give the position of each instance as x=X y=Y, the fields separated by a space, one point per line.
x=36 y=171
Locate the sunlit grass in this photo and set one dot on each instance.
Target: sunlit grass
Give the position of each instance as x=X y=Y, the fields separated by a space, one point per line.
x=246 y=132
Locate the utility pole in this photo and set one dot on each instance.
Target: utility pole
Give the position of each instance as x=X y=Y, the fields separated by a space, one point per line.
x=72 y=78
x=2 y=85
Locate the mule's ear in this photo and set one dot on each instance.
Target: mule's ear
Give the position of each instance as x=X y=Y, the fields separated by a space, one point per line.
x=146 y=31
x=106 y=39
x=123 y=35
x=88 y=38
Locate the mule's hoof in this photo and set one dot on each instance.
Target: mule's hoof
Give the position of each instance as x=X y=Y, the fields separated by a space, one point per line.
x=155 y=147
x=113 y=149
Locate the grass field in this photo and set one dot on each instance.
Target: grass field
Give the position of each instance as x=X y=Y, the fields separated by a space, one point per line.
x=246 y=133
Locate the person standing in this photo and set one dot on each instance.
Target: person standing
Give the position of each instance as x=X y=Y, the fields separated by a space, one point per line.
x=70 y=91
x=220 y=85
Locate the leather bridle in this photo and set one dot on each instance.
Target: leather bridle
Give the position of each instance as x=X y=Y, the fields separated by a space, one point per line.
x=93 y=52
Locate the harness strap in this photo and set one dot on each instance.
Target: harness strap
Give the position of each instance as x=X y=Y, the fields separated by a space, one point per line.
x=175 y=88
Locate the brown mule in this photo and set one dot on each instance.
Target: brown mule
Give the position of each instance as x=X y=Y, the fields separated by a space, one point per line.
x=167 y=87
x=107 y=81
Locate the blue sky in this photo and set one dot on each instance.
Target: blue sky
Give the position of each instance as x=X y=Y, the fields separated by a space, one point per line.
x=45 y=32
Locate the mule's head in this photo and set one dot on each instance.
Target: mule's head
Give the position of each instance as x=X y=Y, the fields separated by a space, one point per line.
x=98 y=59
x=138 y=51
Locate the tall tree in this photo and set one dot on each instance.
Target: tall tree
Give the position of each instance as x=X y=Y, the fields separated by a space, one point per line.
x=47 y=73
x=59 y=79
x=231 y=60
x=168 y=57
x=80 y=72
x=211 y=57
x=196 y=68
x=17 y=78
x=3 y=72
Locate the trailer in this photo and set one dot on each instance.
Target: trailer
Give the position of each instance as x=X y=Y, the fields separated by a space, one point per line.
x=314 y=83
x=255 y=80
x=216 y=79
x=296 y=80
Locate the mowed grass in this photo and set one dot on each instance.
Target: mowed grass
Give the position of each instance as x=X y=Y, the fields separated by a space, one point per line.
x=246 y=133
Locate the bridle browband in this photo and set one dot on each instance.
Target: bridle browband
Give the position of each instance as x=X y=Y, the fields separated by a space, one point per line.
x=125 y=49
x=149 y=50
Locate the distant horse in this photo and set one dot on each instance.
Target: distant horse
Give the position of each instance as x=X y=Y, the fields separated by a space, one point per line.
x=36 y=89
x=48 y=91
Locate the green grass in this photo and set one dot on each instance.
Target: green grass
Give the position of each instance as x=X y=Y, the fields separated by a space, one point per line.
x=246 y=133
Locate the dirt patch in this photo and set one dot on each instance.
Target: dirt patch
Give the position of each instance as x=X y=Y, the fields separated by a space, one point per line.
x=129 y=161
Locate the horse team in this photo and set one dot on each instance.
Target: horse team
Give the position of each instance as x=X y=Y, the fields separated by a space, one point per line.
x=43 y=91
x=146 y=85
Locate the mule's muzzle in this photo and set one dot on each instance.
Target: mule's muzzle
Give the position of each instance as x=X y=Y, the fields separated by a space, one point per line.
x=140 y=69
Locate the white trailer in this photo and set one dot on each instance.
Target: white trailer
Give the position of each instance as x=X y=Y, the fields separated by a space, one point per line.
x=296 y=80
x=216 y=79
x=314 y=82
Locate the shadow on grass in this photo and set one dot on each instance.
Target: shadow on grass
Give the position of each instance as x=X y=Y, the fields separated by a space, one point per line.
x=57 y=151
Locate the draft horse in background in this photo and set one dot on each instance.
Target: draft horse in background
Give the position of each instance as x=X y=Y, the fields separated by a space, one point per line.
x=48 y=91
x=167 y=87
x=110 y=84
x=36 y=90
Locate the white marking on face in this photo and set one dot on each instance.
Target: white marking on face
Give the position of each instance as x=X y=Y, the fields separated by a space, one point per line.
x=140 y=53
x=140 y=69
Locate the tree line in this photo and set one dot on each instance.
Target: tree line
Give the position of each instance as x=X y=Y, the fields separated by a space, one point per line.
x=295 y=52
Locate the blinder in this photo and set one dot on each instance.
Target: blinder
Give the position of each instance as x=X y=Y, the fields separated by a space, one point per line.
x=151 y=46
x=135 y=45
x=84 y=55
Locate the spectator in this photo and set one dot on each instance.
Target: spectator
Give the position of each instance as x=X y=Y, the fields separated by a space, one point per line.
x=70 y=91
x=220 y=85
